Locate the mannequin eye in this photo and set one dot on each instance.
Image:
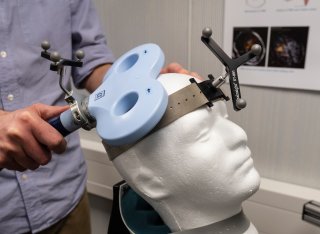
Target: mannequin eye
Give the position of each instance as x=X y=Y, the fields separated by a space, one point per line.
x=203 y=135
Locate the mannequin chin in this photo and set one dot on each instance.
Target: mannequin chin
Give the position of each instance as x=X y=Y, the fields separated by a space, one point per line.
x=194 y=172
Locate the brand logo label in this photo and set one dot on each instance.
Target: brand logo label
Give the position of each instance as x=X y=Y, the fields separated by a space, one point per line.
x=100 y=95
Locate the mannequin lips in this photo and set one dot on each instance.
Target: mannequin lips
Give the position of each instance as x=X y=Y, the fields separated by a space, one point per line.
x=246 y=160
x=247 y=163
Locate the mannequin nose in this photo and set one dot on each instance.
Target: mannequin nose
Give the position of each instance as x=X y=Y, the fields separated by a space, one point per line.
x=236 y=136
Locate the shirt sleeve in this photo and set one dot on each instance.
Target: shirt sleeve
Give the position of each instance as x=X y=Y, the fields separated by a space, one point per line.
x=87 y=35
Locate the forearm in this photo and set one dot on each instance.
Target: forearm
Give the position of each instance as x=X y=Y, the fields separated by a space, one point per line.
x=2 y=112
x=94 y=80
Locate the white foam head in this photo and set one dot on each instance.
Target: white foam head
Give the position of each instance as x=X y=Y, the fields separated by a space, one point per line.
x=195 y=171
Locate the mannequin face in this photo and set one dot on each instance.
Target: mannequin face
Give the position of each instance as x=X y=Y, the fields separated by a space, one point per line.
x=206 y=154
x=199 y=162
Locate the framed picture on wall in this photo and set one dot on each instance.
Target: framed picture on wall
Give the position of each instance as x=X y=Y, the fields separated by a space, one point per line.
x=289 y=35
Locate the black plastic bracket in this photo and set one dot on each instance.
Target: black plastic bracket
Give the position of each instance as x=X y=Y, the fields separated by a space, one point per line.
x=311 y=212
x=212 y=93
x=57 y=62
x=231 y=65
x=62 y=61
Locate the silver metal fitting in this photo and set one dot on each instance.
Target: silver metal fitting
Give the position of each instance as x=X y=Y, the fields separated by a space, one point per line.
x=80 y=113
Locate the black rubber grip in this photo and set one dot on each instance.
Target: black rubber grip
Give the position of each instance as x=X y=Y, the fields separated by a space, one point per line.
x=56 y=123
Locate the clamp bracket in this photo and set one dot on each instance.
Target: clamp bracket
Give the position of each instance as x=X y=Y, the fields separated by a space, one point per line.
x=231 y=66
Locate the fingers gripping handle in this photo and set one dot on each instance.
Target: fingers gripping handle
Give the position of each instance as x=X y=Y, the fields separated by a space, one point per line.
x=64 y=123
x=57 y=124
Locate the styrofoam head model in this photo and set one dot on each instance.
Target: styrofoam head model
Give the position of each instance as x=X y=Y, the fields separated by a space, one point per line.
x=165 y=138
x=195 y=171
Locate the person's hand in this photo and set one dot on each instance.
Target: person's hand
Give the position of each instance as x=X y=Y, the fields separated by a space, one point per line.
x=26 y=139
x=177 y=68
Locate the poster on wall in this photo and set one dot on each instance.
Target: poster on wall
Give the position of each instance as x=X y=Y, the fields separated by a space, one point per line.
x=289 y=34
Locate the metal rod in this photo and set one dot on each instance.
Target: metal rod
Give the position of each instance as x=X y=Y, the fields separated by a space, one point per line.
x=220 y=80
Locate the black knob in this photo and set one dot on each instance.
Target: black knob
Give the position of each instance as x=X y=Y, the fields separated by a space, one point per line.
x=256 y=49
x=207 y=32
x=79 y=54
x=55 y=56
x=241 y=103
x=45 y=45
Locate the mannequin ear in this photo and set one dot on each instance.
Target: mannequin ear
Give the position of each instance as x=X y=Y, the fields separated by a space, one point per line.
x=150 y=185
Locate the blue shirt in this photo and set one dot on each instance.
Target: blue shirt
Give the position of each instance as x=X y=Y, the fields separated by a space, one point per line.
x=35 y=200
